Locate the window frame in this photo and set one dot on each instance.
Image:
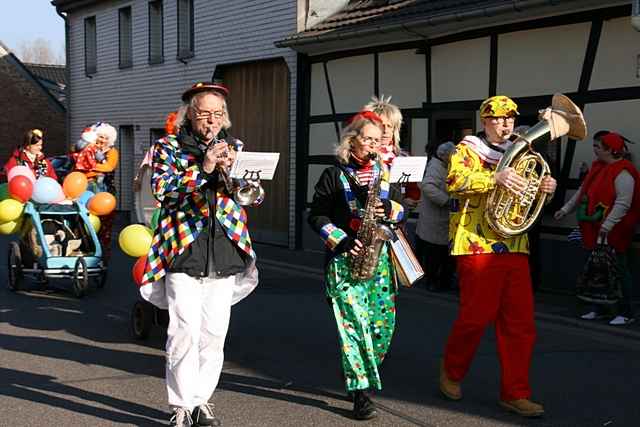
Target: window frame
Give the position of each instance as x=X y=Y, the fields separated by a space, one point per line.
x=88 y=71
x=126 y=62
x=152 y=60
x=182 y=55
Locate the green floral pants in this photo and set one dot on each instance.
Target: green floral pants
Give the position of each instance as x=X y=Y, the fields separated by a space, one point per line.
x=365 y=314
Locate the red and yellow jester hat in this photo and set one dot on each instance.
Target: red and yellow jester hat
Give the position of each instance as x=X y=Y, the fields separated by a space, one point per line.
x=498 y=106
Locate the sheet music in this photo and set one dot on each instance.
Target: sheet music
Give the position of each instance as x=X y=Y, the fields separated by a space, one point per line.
x=254 y=165
x=408 y=169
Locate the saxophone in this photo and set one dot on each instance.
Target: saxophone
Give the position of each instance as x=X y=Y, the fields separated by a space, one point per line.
x=372 y=234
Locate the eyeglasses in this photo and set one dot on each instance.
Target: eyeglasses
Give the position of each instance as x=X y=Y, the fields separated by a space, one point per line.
x=204 y=115
x=369 y=140
x=502 y=120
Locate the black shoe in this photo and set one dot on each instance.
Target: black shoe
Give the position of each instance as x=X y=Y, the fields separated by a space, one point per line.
x=203 y=416
x=363 y=407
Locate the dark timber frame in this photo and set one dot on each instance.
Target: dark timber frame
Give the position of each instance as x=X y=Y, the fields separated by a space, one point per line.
x=582 y=96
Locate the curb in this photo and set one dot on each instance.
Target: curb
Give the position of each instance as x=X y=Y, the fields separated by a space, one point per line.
x=547 y=317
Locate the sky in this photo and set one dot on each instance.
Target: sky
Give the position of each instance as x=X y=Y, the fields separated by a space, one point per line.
x=27 y=20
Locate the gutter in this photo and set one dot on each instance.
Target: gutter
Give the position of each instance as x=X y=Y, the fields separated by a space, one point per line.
x=431 y=21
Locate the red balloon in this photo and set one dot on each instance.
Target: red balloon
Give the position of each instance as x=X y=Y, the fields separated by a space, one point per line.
x=21 y=188
x=138 y=269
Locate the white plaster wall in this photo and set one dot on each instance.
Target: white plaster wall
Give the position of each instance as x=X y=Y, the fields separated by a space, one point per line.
x=618 y=57
x=541 y=61
x=320 y=103
x=419 y=136
x=460 y=71
x=351 y=82
x=619 y=116
x=402 y=75
x=322 y=139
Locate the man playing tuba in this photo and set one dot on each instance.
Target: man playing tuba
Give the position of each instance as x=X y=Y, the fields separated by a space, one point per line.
x=493 y=271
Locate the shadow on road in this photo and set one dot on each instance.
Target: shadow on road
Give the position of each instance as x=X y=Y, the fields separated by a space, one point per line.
x=42 y=389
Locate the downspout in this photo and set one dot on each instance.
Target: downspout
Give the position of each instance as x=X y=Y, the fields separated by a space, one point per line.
x=67 y=73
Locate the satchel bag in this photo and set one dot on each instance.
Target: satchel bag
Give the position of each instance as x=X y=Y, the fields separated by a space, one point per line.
x=406 y=266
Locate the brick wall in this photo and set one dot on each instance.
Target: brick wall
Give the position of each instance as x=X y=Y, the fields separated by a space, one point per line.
x=24 y=106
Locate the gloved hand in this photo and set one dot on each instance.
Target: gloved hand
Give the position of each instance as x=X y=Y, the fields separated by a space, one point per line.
x=100 y=156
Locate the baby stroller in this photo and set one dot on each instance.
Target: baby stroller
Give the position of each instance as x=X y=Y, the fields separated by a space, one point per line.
x=58 y=241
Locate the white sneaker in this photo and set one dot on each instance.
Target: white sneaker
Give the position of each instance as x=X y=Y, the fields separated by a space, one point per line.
x=621 y=320
x=592 y=315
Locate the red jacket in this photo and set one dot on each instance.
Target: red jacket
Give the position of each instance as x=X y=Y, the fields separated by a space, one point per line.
x=597 y=198
x=41 y=167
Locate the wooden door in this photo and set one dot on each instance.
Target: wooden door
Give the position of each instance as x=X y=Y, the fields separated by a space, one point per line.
x=259 y=111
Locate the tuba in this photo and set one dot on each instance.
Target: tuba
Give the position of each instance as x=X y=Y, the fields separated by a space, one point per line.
x=509 y=213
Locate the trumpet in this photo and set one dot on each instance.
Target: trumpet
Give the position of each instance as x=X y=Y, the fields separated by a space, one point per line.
x=246 y=192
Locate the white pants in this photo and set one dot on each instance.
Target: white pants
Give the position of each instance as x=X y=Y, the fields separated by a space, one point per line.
x=199 y=311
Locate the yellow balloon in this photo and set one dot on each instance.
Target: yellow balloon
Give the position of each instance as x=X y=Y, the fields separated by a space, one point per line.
x=10 y=210
x=135 y=240
x=95 y=222
x=10 y=227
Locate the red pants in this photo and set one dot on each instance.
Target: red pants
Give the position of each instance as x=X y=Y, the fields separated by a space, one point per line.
x=494 y=288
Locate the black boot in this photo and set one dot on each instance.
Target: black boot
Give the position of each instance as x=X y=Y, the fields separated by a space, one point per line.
x=363 y=407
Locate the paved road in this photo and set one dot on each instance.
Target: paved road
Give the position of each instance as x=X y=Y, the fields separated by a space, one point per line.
x=69 y=362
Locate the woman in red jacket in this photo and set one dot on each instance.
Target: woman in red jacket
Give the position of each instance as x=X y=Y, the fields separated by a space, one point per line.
x=30 y=154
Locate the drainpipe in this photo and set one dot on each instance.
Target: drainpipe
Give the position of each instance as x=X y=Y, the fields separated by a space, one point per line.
x=67 y=73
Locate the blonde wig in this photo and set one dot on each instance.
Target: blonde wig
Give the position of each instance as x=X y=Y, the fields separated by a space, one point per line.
x=383 y=107
x=352 y=130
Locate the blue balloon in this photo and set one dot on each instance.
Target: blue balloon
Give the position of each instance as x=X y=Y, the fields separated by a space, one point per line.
x=85 y=197
x=47 y=190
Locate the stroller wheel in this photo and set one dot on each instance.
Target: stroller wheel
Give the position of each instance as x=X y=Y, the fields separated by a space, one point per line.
x=141 y=320
x=14 y=267
x=80 y=278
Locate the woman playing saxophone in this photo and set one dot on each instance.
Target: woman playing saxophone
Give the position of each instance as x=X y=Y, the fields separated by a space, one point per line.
x=347 y=197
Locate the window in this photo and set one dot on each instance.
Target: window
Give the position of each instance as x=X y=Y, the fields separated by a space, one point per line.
x=185 y=29
x=124 y=173
x=156 y=32
x=90 y=46
x=124 y=27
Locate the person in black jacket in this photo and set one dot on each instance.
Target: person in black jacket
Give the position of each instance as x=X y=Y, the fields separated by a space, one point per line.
x=364 y=309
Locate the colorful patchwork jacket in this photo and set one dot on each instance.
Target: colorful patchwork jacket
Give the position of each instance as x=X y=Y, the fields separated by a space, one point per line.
x=338 y=203
x=469 y=180
x=176 y=183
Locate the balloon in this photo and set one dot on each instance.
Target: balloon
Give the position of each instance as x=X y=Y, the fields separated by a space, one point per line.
x=74 y=185
x=20 y=188
x=10 y=210
x=47 y=190
x=10 y=227
x=102 y=203
x=138 y=269
x=21 y=170
x=135 y=240
x=4 y=191
x=85 y=197
x=95 y=222
x=155 y=217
